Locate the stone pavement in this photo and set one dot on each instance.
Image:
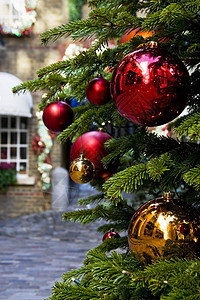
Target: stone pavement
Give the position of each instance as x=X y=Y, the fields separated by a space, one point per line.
x=36 y=250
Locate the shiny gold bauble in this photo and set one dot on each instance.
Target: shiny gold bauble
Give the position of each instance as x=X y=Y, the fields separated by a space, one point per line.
x=164 y=228
x=81 y=170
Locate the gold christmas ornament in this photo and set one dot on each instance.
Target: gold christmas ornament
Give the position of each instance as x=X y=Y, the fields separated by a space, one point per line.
x=81 y=170
x=164 y=228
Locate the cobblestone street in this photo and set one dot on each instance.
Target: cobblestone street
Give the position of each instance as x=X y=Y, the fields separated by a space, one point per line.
x=37 y=249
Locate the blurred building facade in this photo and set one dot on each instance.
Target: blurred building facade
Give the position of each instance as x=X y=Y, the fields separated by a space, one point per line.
x=21 y=55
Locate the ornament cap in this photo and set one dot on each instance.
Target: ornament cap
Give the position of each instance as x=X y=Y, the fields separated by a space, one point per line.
x=81 y=156
x=152 y=44
x=168 y=195
x=100 y=129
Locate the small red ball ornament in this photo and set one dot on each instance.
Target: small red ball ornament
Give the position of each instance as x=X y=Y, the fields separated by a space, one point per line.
x=91 y=144
x=57 y=116
x=98 y=91
x=184 y=228
x=150 y=86
x=110 y=234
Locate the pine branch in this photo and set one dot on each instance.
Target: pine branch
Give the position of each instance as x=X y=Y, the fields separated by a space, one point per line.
x=175 y=279
x=111 y=244
x=71 y=67
x=170 y=280
x=127 y=180
x=101 y=23
x=84 y=122
x=118 y=148
x=120 y=214
x=32 y=86
x=169 y=172
x=192 y=177
x=156 y=167
x=190 y=127
x=173 y=14
x=92 y=199
x=142 y=142
x=80 y=126
x=75 y=293
x=84 y=216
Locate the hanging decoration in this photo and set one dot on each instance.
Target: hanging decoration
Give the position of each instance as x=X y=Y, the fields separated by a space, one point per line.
x=91 y=145
x=57 y=116
x=18 y=17
x=81 y=170
x=42 y=146
x=150 y=86
x=98 y=91
x=164 y=228
x=110 y=234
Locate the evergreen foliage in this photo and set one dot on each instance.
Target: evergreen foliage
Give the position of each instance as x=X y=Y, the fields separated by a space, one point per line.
x=148 y=164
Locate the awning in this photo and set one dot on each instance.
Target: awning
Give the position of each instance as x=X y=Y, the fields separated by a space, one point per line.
x=13 y=104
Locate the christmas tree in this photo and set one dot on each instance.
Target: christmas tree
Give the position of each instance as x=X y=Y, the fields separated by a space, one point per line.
x=158 y=63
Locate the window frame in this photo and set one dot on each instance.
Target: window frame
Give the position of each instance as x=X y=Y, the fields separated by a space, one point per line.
x=18 y=145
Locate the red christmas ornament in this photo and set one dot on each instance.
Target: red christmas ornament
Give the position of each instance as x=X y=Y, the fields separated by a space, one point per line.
x=110 y=234
x=184 y=228
x=57 y=116
x=150 y=86
x=91 y=145
x=98 y=91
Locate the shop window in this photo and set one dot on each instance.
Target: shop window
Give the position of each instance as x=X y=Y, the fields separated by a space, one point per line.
x=14 y=142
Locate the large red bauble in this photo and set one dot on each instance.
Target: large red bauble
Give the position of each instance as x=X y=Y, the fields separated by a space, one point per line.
x=91 y=145
x=98 y=91
x=57 y=116
x=150 y=86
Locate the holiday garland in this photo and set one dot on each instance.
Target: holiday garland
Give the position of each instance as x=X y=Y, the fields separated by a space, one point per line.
x=42 y=145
